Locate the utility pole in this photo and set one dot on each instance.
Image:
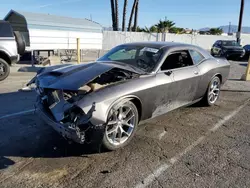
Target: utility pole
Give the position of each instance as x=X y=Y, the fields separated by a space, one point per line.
x=240 y=21
x=229 y=28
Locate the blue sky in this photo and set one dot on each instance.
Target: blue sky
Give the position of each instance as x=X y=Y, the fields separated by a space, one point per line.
x=185 y=13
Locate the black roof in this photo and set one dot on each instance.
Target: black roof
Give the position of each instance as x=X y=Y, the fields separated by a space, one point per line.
x=3 y=21
x=158 y=44
x=167 y=45
x=227 y=40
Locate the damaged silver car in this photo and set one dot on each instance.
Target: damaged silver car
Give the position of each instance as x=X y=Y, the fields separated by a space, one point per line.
x=106 y=99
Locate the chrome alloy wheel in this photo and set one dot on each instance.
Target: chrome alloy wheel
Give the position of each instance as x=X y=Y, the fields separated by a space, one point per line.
x=214 y=90
x=120 y=125
x=2 y=69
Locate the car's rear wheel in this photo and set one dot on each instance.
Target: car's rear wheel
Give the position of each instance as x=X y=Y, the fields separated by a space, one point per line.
x=121 y=125
x=213 y=92
x=4 y=69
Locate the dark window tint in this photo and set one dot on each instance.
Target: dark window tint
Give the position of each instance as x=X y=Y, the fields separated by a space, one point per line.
x=247 y=47
x=177 y=59
x=5 y=30
x=217 y=43
x=196 y=56
x=229 y=43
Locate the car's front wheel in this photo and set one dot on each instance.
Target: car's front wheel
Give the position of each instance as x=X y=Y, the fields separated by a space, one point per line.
x=121 y=125
x=213 y=91
x=4 y=69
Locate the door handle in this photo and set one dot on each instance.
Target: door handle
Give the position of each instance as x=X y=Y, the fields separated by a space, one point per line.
x=196 y=72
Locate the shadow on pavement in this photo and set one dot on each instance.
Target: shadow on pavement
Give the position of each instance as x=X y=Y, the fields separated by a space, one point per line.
x=232 y=79
x=25 y=135
x=243 y=64
x=5 y=162
x=29 y=69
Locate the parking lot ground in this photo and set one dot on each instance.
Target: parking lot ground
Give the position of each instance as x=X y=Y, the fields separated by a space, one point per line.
x=189 y=147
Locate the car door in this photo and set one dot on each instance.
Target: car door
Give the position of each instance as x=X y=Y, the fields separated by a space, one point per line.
x=177 y=80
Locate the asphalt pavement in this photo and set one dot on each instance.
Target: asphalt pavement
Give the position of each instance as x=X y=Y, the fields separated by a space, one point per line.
x=189 y=147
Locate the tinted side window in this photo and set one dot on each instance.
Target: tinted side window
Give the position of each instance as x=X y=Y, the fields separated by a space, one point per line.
x=177 y=59
x=247 y=47
x=196 y=56
x=5 y=30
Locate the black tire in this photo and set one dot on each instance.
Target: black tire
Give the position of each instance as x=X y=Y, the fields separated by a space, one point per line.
x=220 y=54
x=20 y=42
x=106 y=143
x=4 y=69
x=205 y=100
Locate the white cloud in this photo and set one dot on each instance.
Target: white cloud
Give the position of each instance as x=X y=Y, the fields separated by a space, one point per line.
x=63 y=2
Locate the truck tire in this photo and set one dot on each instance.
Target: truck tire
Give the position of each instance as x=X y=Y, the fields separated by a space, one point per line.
x=4 y=69
x=20 y=42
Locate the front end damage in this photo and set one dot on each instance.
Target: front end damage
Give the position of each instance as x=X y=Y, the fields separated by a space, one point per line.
x=58 y=106
x=66 y=118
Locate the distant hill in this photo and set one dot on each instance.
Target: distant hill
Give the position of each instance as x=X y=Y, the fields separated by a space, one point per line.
x=225 y=28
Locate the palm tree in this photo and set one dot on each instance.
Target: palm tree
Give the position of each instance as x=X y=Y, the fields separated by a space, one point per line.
x=176 y=30
x=136 y=16
x=116 y=15
x=131 y=15
x=215 y=31
x=164 y=26
x=124 y=15
x=113 y=14
x=151 y=29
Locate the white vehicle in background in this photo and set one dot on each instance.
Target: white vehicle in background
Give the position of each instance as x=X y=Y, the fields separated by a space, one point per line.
x=12 y=45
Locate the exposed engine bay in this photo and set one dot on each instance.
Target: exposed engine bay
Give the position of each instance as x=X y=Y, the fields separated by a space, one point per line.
x=60 y=104
x=113 y=76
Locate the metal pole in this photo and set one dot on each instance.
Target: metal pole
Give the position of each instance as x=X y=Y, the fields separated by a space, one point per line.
x=240 y=21
x=78 y=50
x=229 y=28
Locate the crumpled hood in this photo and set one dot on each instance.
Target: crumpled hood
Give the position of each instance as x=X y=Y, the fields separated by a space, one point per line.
x=72 y=77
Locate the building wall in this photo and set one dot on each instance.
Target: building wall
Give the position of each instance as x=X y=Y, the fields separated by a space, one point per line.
x=113 y=38
x=47 y=32
x=55 y=39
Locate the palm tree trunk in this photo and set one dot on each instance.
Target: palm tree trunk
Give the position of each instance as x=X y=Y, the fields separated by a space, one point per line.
x=117 y=15
x=113 y=14
x=136 y=16
x=124 y=15
x=131 y=15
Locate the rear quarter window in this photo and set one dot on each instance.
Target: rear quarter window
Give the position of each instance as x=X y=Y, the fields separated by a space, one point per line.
x=6 y=30
x=196 y=56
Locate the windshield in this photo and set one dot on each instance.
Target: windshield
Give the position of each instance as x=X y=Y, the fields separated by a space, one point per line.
x=229 y=43
x=141 y=57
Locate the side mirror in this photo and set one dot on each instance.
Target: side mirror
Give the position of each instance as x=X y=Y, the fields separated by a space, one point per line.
x=168 y=73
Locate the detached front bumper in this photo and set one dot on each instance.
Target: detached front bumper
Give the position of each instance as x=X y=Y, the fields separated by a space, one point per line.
x=63 y=130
